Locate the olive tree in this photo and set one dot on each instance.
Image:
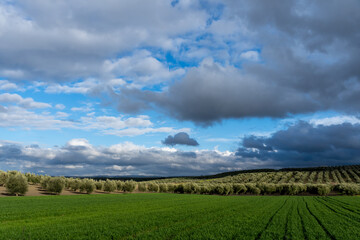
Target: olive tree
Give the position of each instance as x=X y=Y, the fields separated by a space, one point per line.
x=109 y=186
x=56 y=185
x=3 y=178
x=87 y=185
x=129 y=186
x=142 y=187
x=17 y=184
x=99 y=185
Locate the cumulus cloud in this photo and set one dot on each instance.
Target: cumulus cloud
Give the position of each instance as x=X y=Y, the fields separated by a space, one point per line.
x=6 y=85
x=309 y=62
x=67 y=41
x=79 y=157
x=212 y=92
x=181 y=138
x=17 y=116
x=23 y=102
x=141 y=69
x=304 y=144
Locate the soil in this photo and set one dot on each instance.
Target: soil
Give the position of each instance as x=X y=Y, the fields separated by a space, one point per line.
x=35 y=190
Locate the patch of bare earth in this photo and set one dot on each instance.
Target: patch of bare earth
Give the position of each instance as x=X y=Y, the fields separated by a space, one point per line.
x=35 y=190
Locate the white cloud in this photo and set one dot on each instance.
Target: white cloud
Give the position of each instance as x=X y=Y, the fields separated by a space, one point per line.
x=63 y=46
x=6 y=85
x=14 y=116
x=82 y=87
x=60 y=106
x=79 y=157
x=250 y=55
x=23 y=102
x=336 y=120
x=141 y=67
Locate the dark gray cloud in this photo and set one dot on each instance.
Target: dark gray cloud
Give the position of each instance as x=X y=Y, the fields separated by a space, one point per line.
x=180 y=138
x=71 y=40
x=308 y=61
x=303 y=144
x=79 y=157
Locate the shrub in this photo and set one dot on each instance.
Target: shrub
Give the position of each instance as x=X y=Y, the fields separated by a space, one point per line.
x=163 y=187
x=16 y=184
x=322 y=189
x=191 y=188
x=227 y=189
x=44 y=182
x=129 y=186
x=99 y=185
x=153 y=187
x=171 y=187
x=56 y=185
x=239 y=188
x=3 y=178
x=87 y=185
x=179 y=188
x=142 y=187
x=75 y=184
x=348 y=188
x=120 y=186
x=252 y=188
x=217 y=189
x=109 y=186
x=205 y=189
x=267 y=188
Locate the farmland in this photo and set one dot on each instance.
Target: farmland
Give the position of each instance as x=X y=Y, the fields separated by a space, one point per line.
x=179 y=216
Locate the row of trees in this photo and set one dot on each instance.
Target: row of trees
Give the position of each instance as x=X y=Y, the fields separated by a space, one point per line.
x=339 y=175
x=17 y=183
x=250 y=188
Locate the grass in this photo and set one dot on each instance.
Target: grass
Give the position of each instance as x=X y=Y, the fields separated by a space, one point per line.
x=179 y=216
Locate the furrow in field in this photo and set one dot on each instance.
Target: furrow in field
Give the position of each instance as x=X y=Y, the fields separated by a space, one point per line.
x=270 y=220
x=319 y=221
x=302 y=223
x=352 y=217
x=350 y=207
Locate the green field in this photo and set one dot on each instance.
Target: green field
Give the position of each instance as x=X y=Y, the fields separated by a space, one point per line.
x=179 y=216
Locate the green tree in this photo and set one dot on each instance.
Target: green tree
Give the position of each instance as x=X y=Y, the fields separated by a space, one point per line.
x=17 y=184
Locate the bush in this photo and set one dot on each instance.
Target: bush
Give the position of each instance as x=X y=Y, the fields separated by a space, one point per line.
x=191 y=188
x=217 y=189
x=179 y=188
x=120 y=186
x=171 y=187
x=321 y=189
x=142 y=187
x=99 y=185
x=153 y=187
x=44 y=182
x=268 y=188
x=348 y=188
x=75 y=184
x=3 y=178
x=239 y=188
x=227 y=189
x=163 y=187
x=109 y=186
x=56 y=185
x=253 y=189
x=129 y=186
x=87 y=185
x=205 y=189
x=16 y=184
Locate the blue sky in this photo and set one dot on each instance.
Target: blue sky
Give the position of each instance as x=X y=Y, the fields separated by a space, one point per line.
x=95 y=88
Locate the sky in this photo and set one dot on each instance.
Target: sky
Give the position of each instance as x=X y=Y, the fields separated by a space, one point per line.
x=178 y=88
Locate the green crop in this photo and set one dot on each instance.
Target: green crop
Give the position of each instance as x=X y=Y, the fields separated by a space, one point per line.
x=179 y=216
